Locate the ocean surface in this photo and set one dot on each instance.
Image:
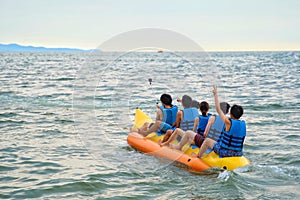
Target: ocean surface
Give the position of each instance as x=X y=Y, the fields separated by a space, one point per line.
x=64 y=119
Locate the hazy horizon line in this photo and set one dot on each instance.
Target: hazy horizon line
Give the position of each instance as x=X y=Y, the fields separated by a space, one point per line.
x=204 y=50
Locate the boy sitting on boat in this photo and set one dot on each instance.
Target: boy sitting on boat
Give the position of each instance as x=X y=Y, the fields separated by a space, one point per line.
x=165 y=117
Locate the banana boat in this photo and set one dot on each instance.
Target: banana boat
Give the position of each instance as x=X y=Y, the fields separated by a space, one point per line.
x=149 y=144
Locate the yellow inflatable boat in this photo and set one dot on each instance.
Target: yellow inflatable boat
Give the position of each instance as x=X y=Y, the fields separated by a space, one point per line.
x=150 y=145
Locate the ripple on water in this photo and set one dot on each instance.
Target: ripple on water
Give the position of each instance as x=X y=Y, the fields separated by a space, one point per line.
x=42 y=158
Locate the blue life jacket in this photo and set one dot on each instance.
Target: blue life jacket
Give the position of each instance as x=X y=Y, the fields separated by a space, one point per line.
x=234 y=138
x=169 y=114
x=189 y=115
x=217 y=129
x=202 y=123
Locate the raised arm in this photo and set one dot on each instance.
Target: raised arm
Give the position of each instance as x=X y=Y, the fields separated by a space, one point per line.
x=218 y=108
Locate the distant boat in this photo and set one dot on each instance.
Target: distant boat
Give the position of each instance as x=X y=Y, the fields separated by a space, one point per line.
x=160 y=51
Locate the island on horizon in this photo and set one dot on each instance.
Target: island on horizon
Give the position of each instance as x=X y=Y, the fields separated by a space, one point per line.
x=21 y=48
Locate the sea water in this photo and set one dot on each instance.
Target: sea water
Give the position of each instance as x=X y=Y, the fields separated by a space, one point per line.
x=65 y=117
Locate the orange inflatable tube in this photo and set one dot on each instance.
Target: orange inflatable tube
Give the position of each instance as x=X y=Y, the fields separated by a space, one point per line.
x=148 y=146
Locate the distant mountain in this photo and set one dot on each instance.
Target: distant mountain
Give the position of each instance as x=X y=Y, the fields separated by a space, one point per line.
x=20 y=48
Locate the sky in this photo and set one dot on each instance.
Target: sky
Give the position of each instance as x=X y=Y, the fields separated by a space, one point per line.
x=216 y=25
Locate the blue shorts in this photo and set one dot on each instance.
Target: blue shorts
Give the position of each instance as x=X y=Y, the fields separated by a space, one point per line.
x=164 y=127
x=225 y=152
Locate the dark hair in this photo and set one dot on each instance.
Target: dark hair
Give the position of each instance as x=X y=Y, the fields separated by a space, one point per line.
x=195 y=104
x=204 y=107
x=186 y=101
x=236 y=111
x=224 y=107
x=166 y=99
